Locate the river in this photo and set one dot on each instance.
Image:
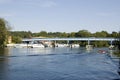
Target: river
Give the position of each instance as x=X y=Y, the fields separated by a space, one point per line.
x=56 y=64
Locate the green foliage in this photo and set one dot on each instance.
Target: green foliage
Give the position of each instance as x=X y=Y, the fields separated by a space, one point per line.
x=83 y=33
x=3 y=32
x=22 y=34
x=58 y=34
x=117 y=53
x=72 y=34
x=40 y=34
x=101 y=34
x=100 y=43
x=17 y=35
x=43 y=33
x=115 y=34
x=16 y=39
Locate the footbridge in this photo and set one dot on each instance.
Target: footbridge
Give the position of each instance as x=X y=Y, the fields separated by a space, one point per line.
x=73 y=39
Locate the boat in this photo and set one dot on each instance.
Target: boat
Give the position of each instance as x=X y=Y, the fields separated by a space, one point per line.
x=61 y=45
x=111 y=47
x=30 y=44
x=102 y=51
x=36 y=46
x=20 y=45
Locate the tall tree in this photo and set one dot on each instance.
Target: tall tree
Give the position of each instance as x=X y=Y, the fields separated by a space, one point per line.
x=114 y=34
x=72 y=34
x=43 y=34
x=3 y=32
x=83 y=33
x=101 y=34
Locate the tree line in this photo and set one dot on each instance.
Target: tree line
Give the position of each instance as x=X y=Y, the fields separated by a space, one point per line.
x=18 y=35
x=80 y=33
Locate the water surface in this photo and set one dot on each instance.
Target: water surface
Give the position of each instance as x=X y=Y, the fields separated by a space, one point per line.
x=56 y=64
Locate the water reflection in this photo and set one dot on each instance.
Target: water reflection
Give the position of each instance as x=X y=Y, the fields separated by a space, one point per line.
x=11 y=52
x=3 y=64
x=115 y=53
x=4 y=51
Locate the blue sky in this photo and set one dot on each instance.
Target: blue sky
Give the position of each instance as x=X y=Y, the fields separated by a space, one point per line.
x=62 y=15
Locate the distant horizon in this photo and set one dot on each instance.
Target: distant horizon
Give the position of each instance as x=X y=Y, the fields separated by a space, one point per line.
x=64 y=31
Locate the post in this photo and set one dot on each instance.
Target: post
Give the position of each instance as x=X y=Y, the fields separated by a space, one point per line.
x=27 y=43
x=55 y=44
x=68 y=43
x=89 y=47
x=88 y=42
x=111 y=42
x=111 y=47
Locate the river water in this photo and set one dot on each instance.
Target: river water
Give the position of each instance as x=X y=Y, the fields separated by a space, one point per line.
x=56 y=64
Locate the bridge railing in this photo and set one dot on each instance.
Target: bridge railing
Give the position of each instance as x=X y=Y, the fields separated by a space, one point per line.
x=72 y=39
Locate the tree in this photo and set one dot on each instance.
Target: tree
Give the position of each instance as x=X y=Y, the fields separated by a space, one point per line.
x=16 y=39
x=64 y=34
x=101 y=34
x=72 y=34
x=43 y=34
x=3 y=32
x=83 y=33
x=114 y=34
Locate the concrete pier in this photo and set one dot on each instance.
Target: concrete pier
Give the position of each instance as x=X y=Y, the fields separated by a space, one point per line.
x=89 y=47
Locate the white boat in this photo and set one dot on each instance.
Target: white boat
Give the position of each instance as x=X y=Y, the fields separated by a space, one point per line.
x=36 y=45
x=10 y=45
x=61 y=45
x=20 y=45
x=29 y=45
x=75 y=45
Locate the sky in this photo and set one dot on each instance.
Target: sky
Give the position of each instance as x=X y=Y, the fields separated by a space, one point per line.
x=61 y=15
